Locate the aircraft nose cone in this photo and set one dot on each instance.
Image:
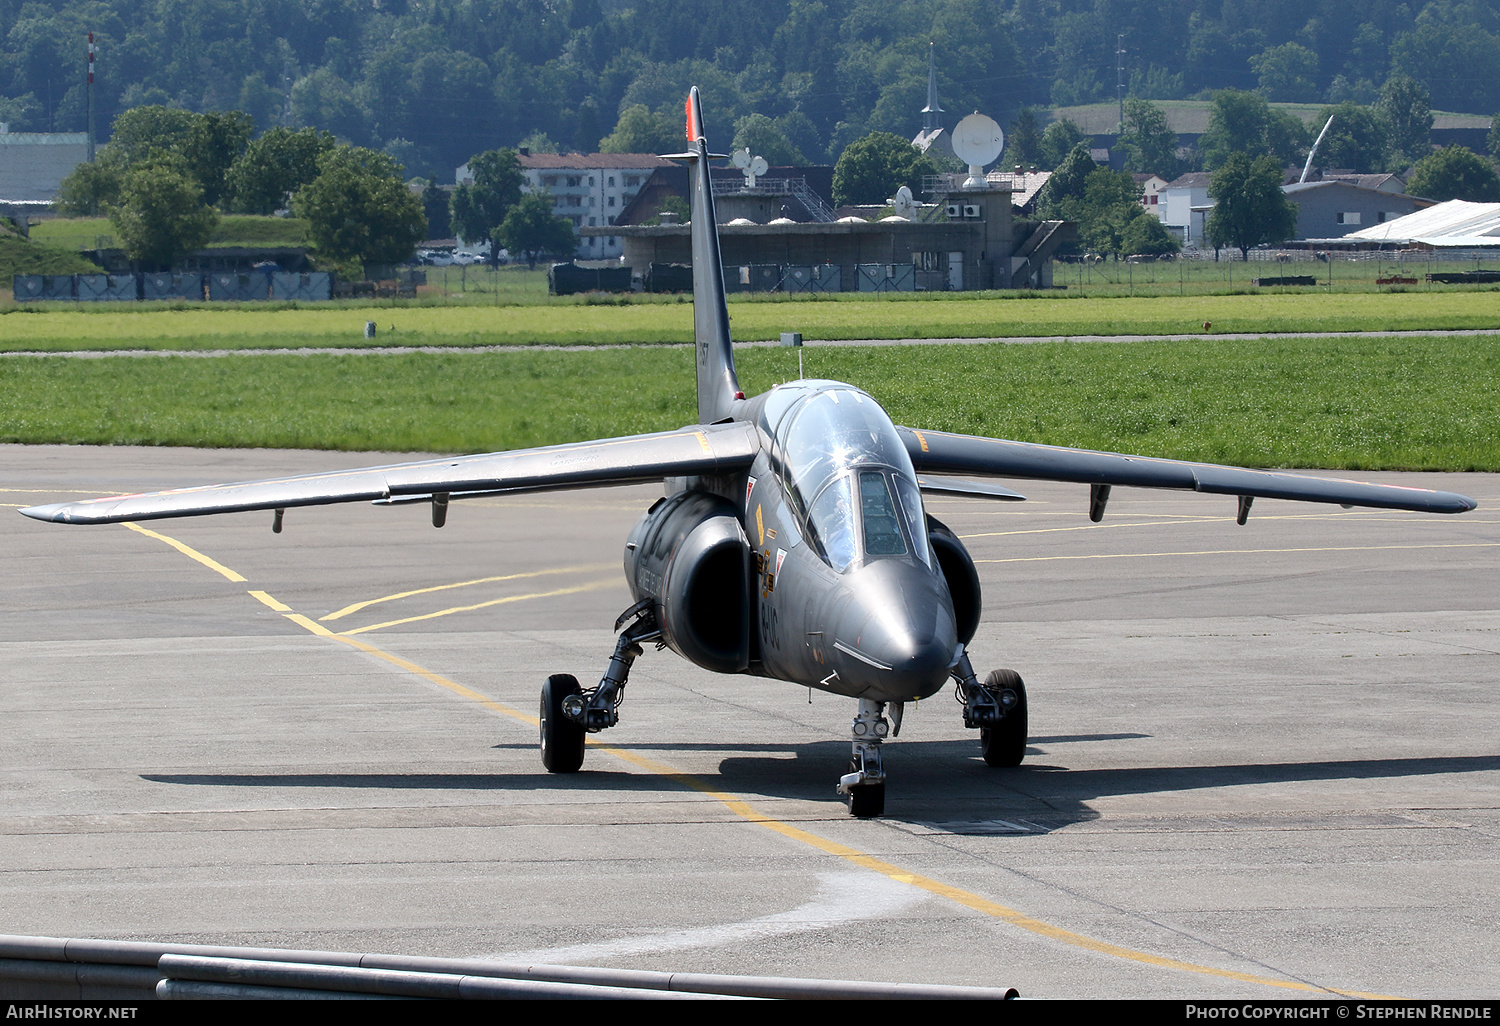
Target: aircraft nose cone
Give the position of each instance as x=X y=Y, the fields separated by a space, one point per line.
x=898 y=634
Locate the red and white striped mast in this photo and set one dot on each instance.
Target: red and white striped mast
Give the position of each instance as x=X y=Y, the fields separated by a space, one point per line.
x=91 y=97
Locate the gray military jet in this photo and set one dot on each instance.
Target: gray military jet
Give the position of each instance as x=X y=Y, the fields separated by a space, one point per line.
x=791 y=542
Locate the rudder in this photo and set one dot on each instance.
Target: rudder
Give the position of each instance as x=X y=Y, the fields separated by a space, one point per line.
x=718 y=385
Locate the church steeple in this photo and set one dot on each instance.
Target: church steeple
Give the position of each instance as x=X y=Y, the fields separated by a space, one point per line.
x=931 y=113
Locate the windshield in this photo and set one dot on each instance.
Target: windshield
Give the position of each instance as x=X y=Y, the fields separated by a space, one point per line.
x=851 y=480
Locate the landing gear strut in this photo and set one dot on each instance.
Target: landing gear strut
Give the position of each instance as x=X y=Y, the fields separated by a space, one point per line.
x=998 y=708
x=569 y=712
x=864 y=784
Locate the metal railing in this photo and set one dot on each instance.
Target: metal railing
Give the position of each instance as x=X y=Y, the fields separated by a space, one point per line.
x=795 y=187
x=57 y=969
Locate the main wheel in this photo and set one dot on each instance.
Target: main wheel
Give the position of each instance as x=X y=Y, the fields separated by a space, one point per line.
x=867 y=800
x=1004 y=744
x=562 y=739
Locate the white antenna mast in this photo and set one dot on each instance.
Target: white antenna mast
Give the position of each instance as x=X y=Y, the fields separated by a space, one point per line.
x=1307 y=168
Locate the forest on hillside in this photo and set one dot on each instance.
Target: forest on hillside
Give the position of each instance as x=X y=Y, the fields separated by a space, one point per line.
x=433 y=81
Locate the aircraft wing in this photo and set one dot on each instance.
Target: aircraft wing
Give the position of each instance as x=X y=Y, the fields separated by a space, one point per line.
x=707 y=449
x=938 y=452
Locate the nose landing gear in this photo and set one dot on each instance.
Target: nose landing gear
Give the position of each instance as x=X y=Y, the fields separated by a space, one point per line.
x=864 y=784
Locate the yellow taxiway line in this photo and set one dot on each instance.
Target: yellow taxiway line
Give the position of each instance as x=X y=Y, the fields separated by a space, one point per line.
x=749 y=813
x=356 y=607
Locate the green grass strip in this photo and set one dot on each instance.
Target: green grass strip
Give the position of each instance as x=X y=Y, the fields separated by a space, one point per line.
x=47 y=328
x=1411 y=403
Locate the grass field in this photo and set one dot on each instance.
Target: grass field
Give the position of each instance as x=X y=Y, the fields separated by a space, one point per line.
x=193 y=326
x=24 y=256
x=1407 y=403
x=81 y=233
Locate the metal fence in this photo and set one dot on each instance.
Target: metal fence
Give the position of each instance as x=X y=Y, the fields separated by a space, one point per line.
x=173 y=285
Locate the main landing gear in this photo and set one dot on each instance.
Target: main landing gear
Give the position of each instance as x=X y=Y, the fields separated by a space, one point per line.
x=569 y=713
x=998 y=708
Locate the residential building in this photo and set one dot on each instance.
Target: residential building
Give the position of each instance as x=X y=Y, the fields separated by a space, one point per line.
x=1183 y=204
x=589 y=189
x=1151 y=187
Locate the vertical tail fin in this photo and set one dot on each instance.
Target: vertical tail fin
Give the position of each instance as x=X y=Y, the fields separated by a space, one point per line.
x=718 y=386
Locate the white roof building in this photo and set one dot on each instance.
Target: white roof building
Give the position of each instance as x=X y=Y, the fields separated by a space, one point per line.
x=1456 y=224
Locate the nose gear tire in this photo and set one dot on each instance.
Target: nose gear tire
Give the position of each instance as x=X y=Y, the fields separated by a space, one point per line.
x=867 y=800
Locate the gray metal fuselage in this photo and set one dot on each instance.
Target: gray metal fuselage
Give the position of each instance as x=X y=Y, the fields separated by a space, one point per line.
x=846 y=595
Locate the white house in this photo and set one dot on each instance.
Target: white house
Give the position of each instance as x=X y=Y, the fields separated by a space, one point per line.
x=1183 y=204
x=589 y=189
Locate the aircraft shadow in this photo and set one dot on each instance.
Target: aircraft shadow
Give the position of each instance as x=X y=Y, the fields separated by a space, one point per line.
x=930 y=782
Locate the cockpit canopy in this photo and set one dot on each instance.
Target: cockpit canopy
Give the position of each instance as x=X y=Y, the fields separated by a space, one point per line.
x=850 y=480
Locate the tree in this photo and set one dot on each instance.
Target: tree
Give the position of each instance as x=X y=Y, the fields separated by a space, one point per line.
x=1405 y=106
x=1357 y=139
x=1068 y=181
x=1494 y=137
x=1249 y=207
x=1058 y=141
x=1147 y=235
x=1241 y=122
x=273 y=167
x=1286 y=72
x=870 y=170
x=1149 y=142
x=1455 y=172
x=1106 y=206
x=212 y=145
x=140 y=133
x=765 y=139
x=358 y=208
x=161 y=215
x=1023 y=142
x=639 y=130
x=531 y=228
x=90 y=188
x=479 y=207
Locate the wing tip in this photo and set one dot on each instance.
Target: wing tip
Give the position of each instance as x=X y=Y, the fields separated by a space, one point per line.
x=50 y=512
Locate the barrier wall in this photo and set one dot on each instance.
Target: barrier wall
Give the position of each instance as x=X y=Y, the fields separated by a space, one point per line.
x=106 y=288
x=169 y=285
x=180 y=285
x=312 y=287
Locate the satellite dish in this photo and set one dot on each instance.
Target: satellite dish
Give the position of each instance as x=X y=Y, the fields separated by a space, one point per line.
x=977 y=141
x=904 y=204
x=752 y=167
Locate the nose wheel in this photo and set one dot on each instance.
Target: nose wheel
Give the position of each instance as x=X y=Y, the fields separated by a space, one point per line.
x=864 y=784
